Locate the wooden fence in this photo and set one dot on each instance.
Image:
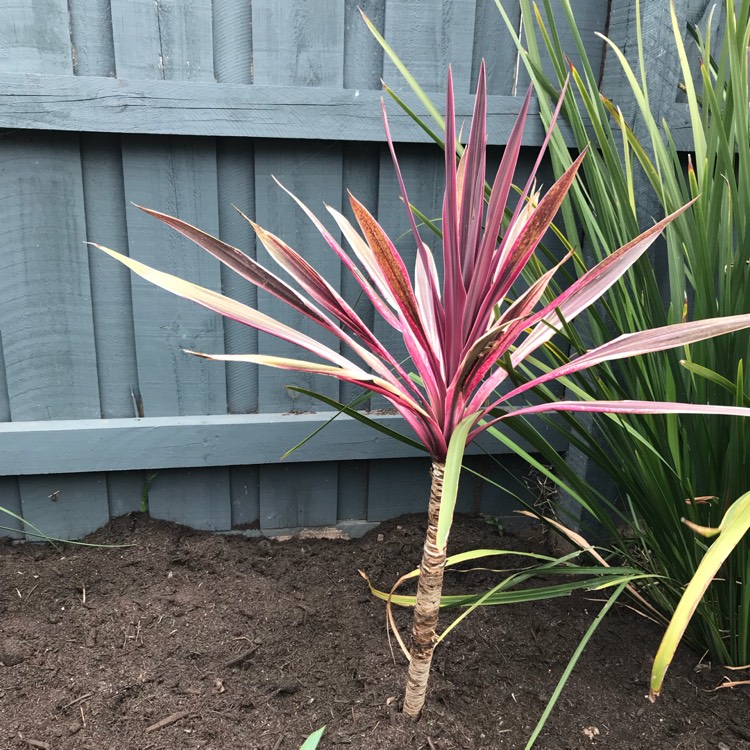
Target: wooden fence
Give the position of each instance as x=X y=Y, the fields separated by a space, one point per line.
x=190 y=107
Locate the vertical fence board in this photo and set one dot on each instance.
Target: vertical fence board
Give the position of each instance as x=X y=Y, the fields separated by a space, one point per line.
x=170 y=40
x=179 y=179
x=398 y=486
x=428 y=36
x=91 y=37
x=494 y=45
x=104 y=202
x=298 y=495
x=236 y=187
x=10 y=494
x=245 y=495
x=199 y=498
x=353 y=490
x=293 y=44
x=45 y=308
x=10 y=500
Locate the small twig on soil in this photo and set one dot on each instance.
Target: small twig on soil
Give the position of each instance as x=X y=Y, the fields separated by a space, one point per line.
x=391 y=704
x=239 y=659
x=172 y=719
x=77 y=700
x=431 y=743
x=278 y=742
x=36 y=743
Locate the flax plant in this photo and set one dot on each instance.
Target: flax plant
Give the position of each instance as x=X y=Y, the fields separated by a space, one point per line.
x=456 y=320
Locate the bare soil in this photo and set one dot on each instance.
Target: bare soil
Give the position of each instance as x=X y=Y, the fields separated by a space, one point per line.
x=193 y=640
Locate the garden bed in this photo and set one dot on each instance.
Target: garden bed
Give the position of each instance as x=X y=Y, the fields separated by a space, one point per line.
x=252 y=643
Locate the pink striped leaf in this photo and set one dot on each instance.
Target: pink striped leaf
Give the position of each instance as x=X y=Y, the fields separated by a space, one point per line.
x=642 y=342
x=352 y=374
x=590 y=287
x=228 y=307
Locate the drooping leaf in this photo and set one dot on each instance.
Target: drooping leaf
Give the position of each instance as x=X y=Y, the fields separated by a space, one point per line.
x=734 y=526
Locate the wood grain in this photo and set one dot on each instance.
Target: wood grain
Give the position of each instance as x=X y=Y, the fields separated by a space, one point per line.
x=168 y=40
x=45 y=308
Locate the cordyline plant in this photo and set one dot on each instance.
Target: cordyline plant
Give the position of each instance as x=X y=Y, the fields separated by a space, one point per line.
x=464 y=330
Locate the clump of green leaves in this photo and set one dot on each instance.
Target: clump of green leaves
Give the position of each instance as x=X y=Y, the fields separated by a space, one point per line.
x=676 y=467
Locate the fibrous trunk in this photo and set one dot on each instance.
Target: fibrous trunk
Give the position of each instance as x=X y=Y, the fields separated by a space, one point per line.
x=424 y=628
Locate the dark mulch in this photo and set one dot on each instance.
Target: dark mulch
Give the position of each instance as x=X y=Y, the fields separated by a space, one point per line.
x=248 y=643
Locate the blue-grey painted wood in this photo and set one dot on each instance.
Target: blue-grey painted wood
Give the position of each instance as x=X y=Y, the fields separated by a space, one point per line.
x=179 y=179
x=104 y=205
x=199 y=498
x=353 y=489
x=31 y=38
x=163 y=39
x=236 y=187
x=296 y=45
x=47 y=338
x=104 y=200
x=363 y=55
x=171 y=442
x=10 y=500
x=398 y=486
x=363 y=66
x=172 y=41
x=66 y=506
x=402 y=485
x=133 y=106
x=235 y=162
x=48 y=341
x=10 y=495
x=304 y=496
x=312 y=172
x=93 y=49
x=125 y=491
x=494 y=45
x=428 y=36
x=245 y=491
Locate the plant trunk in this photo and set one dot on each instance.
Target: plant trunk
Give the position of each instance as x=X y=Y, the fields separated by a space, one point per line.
x=427 y=607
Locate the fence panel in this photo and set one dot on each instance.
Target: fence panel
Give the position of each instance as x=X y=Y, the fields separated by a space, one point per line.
x=189 y=108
